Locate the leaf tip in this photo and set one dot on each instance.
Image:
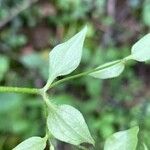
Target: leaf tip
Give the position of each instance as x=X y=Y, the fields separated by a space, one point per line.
x=85 y=29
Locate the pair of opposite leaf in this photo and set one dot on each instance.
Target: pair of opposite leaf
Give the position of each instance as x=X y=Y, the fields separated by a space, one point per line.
x=65 y=122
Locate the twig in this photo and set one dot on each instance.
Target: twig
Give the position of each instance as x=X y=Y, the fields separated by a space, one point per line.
x=19 y=90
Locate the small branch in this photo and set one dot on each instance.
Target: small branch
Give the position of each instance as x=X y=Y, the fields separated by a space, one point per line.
x=19 y=90
x=83 y=74
x=70 y=78
x=15 y=11
x=43 y=91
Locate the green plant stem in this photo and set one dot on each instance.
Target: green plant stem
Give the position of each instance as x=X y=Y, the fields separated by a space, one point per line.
x=20 y=90
x=69 y=78
x=49 y=85
x=82 y=74
x=46 y=99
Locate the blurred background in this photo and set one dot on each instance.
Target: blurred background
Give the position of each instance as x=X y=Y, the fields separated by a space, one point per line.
x=29 y=29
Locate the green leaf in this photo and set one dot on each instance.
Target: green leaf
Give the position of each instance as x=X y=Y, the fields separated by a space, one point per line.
x=123 y=140
x=109 y=71
x=67 y=124
x=65 y=57
x=145 y=147
x=33 y=143
x=141 y=49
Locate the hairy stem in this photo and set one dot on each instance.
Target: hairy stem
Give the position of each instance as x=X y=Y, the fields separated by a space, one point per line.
x=49 y=85
x=20 y=90
x=46 y=99
x=83 y=74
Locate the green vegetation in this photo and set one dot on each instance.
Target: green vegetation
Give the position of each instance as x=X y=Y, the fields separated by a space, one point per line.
x=108 y=106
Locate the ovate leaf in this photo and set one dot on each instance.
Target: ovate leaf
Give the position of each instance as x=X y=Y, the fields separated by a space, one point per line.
x=109 y=71
x=141 y=49
x=33 y=143
x=123 y=140
x=67 y=124
x=65 y=57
